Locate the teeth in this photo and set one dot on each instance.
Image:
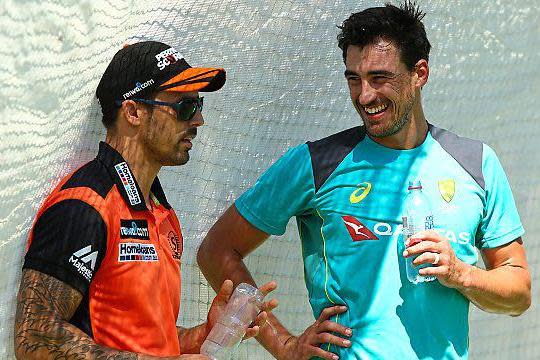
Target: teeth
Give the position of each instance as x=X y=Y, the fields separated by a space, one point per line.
x=376 y=109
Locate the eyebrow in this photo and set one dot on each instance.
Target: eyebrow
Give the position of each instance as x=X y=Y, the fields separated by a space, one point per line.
x=371 y=73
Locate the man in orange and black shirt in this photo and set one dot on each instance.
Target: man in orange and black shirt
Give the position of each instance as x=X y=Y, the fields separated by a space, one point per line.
x=101 y=277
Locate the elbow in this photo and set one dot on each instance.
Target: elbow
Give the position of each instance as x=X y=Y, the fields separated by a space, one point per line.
x=206 y=254
x=522 y=305
x=202 y=255
x=18 y=344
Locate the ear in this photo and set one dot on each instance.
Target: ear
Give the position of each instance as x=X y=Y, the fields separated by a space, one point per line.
x=421 y=73
x=131 y=112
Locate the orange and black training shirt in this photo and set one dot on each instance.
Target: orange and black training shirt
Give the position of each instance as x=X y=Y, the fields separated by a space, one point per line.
x=95 y=233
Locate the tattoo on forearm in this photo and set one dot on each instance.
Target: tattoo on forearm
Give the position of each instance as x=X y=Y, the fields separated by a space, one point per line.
x=44 y=306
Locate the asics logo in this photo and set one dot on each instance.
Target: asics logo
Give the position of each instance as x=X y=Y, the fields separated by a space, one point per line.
x=360 y=193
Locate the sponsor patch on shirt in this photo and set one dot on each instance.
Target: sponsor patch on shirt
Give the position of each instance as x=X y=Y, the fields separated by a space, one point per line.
x=129 y=183
x=137 y=252
x=134 y=229
x=176 y=245
x=357 y=230
x=84 y=260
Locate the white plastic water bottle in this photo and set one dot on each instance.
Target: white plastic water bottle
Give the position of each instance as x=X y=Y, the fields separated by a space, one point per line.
x=242 y=309
x=417 y=216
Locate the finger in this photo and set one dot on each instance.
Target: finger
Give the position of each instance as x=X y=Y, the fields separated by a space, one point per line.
x=327 y=338
x=225 y=291
x=330 y=326
x=268 y=306
x=424 y=246
x=330 y=311
x=268 y=287
x=260 y=320
x=252 y=332
x=428 y=235
x=428 y=258
x=434 y=271
x=317 y=351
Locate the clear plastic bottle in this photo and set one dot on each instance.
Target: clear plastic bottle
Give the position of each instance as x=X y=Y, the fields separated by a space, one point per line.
x=242 y=309
x=417 y=216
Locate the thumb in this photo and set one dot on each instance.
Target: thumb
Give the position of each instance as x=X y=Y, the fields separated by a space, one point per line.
x=225 y=291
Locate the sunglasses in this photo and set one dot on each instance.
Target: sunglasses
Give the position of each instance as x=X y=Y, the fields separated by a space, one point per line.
x=185 y=108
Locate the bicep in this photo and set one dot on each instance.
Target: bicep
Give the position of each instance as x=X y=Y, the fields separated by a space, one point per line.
x=233 y=231
x=511 y=254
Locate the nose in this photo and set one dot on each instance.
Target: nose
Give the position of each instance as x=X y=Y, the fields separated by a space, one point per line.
x=197 y=119
x=367 y=94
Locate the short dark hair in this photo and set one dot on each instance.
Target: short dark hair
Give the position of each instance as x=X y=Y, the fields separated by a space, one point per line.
x=402 y=25
x=109 y=118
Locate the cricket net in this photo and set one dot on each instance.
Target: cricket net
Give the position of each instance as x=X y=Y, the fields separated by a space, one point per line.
x=285 y=86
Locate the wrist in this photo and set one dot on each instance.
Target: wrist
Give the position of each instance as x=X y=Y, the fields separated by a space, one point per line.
x=206 y=328
x=287 y=342
x=465 y=279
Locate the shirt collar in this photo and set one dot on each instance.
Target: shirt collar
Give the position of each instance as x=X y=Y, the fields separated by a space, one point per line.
x=126 y=183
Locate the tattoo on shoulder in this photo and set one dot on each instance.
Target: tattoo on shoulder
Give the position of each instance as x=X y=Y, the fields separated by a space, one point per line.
x=42 y=329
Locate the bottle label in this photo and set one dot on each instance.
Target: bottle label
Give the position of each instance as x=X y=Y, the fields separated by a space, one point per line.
x=428 y=225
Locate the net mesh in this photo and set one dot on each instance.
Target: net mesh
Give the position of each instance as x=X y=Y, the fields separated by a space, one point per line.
x=285 y=86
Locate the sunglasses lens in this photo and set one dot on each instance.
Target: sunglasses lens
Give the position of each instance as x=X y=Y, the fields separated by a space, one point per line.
x=187 y=108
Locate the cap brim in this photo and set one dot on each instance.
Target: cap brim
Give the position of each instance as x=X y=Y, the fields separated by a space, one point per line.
x=196 y=79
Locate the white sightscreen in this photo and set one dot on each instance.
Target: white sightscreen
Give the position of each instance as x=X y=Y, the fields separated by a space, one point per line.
x=285 y=86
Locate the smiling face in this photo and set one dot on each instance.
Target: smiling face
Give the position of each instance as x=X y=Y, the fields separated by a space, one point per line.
x=383 y=91
x=166 y=139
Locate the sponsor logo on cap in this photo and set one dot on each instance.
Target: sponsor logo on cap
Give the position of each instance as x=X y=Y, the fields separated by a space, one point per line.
x=167 y=57
x=134 y=229
x=129 y=183
x=357 y=230
x=128 y=252
x=138 y=87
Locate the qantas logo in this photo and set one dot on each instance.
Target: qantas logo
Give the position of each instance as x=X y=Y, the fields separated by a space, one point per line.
x=84 y=261
x=357 y=230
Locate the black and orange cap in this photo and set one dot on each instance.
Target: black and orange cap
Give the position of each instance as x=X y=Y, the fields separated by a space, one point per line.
x=142 y=68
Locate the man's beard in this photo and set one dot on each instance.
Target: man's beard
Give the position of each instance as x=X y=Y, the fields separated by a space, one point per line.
x=399 y=123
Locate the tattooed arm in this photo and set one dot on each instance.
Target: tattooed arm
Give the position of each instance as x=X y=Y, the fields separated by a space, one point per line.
x=44 y=306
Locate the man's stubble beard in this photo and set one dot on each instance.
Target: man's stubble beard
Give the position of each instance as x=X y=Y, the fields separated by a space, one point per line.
x=399 y=124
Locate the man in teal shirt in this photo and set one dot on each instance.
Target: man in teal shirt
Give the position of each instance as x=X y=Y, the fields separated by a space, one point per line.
x=347 y=192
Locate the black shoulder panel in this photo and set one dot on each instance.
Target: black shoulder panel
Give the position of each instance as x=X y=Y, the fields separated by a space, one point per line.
x=69 y=242
x=93 y=175
x=467 y=152
x=328 y=153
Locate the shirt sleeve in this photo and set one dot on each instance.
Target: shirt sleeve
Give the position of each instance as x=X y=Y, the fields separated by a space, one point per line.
x=501 y=223
x=69 y=242
x=285 y=190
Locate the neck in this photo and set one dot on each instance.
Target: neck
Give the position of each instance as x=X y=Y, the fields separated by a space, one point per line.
x=411 y=135
x=144 y=168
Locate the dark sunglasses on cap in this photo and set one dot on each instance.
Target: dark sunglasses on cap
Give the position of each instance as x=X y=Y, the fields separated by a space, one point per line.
x=185 y=108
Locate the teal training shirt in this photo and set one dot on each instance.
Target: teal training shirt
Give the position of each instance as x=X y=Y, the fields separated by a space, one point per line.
x=346 y=192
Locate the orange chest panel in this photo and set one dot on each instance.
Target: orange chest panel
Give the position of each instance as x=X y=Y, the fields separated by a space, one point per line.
x=134 y=297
